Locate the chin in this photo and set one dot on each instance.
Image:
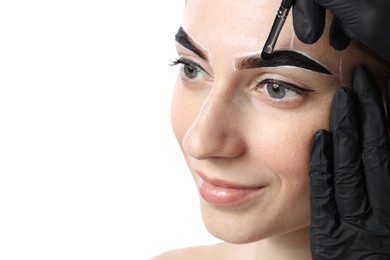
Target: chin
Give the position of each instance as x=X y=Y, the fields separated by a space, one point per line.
x=246 y=235
x=236 y=227
x=235 y=235
x=246 y=226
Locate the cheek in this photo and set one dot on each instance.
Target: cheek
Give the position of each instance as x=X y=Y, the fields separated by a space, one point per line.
x=284 y=146
x=289 y=158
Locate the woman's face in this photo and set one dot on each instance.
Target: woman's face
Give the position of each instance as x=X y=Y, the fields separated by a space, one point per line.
x=245 y=126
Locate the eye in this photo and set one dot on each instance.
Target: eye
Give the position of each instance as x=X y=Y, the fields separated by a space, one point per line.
x=191 y=69
x=277 y=91
x=281 y=90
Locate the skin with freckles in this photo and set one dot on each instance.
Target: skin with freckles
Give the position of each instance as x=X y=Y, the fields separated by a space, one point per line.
x=252 y=128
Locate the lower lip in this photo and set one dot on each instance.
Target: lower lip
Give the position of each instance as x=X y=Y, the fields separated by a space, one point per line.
x=224 y=196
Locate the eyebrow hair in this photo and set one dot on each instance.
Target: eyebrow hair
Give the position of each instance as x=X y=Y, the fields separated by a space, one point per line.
x=183 y=39
x=282 y=58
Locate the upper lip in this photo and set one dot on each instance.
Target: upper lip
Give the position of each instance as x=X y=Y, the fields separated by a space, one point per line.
x=226 y=184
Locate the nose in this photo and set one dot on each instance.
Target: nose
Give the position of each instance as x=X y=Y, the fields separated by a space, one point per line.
x=216 y=131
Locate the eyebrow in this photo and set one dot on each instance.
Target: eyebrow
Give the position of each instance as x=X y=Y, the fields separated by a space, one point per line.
x=279 y=58
x=282 y=58
x=183 y=39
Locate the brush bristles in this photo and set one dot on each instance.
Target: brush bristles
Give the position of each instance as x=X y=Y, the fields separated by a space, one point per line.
x=265 y=55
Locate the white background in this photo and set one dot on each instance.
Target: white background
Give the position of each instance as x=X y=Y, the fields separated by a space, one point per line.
x=89 y=167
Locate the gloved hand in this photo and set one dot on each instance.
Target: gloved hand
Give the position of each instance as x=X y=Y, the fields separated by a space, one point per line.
x=367 y=21
x=350 y=177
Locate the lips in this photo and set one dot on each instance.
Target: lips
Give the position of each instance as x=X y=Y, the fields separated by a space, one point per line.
x=223 y=193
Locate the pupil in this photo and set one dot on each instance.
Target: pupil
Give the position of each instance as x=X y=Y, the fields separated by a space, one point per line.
x=275 y=91
x=190 y=71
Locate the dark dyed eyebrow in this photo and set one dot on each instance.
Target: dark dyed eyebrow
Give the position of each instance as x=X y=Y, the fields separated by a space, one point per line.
x=282 y=58
x=183 y=39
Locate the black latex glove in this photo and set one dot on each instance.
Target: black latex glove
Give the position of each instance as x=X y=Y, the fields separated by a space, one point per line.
x=350 y=177
x=367 y=21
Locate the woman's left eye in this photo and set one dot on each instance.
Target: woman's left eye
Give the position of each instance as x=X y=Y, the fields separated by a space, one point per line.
x=280 y=90
x=190 y=69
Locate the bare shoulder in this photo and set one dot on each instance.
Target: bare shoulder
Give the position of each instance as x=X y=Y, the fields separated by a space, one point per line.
x=223 y=251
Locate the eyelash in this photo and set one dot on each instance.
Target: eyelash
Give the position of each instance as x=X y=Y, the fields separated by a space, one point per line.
x=188 y=63
x=178 y=61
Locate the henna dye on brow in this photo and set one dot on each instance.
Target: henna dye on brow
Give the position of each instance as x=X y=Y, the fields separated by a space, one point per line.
x=183 y=39
x=284 y=58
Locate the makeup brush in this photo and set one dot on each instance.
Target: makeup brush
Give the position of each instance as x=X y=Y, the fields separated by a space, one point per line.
x=276 y=28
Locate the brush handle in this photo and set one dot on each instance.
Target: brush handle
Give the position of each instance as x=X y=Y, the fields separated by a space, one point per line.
x=276 y=28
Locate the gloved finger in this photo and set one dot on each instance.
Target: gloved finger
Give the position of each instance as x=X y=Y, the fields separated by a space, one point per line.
x=338 y=7
x=349 y=12
x=375 y=135
x=388 y=103
x=350 y=194
x=308 y=20
x=324 y=216
x=375 y=138
x=337 y=38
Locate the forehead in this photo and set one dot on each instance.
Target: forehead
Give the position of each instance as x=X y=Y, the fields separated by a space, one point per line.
x=229 y=29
